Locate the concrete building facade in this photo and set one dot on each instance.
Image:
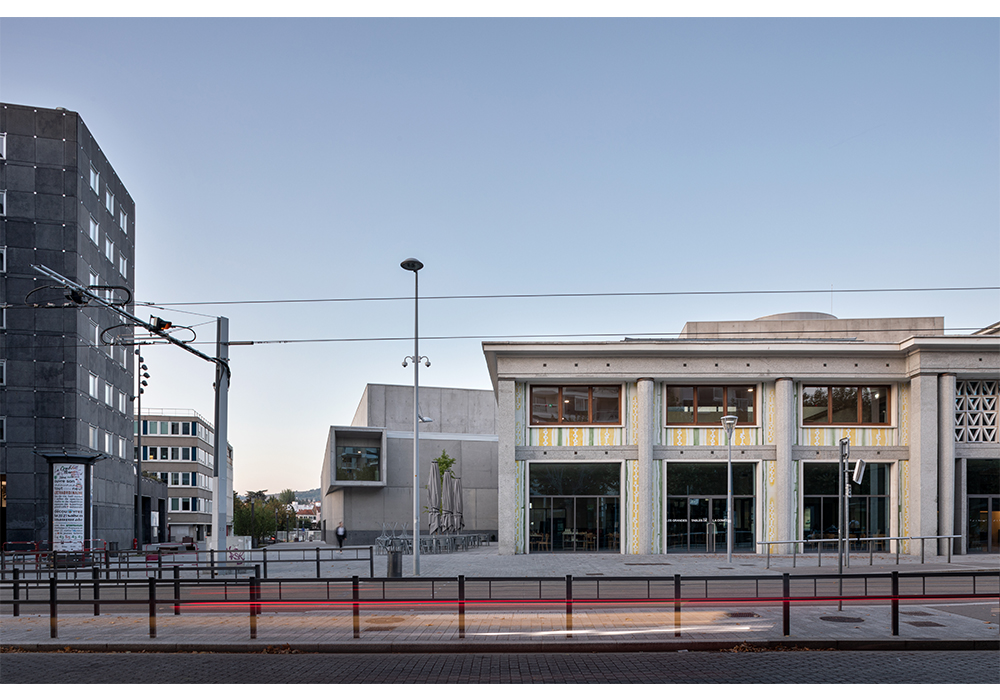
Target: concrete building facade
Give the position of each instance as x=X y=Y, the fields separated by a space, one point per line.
x=178 y=449
x=65 y=390
x=367 y=474
x=619 y=446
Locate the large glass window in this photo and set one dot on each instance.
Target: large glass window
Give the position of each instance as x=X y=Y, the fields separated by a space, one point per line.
x=696 y=507
x=359 y=464
x=983 y=488
x=867 y=508
x=581 y=405
x=574 y=507
x=845 y=405
x=706 y=405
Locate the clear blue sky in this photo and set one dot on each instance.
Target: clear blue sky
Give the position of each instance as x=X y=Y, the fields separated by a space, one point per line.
x=297 y=159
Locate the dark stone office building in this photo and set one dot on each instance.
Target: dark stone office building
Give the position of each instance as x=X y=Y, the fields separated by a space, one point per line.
x=63 y=388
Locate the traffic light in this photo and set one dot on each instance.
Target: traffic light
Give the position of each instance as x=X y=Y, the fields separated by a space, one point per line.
x=161 y=325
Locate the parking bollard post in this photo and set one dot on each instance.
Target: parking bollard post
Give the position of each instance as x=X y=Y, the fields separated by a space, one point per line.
x=785 y=604
x=152 y=607
x=53 y=613
x=317 y=562
x=96 y=574
x=17 y=593
x=461 y=606
x=569 y=604
x=371 y=561
x=677 y=605
x=895 y=604
x=356 y=612
x=177 y=590
x=251 y=596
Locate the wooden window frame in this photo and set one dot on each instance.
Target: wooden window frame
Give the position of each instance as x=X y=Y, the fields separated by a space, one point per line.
x=590 y=404
x=725 y=404
x=829 y=405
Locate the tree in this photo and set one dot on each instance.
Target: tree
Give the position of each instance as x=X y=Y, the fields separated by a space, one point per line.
x=286 y=496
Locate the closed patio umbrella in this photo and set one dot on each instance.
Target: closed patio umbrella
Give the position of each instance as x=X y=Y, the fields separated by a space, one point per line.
x=456 y=505
x=447 y=504
x=434 y=499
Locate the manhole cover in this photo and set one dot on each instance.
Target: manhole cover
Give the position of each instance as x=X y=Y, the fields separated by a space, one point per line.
x=834 y=618
x=390 y=620
x=916 y=612
x=925 y=623
x=742 y=614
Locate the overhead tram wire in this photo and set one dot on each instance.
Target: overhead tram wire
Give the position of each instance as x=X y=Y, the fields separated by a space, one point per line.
x=636 y=337
x=573 y=295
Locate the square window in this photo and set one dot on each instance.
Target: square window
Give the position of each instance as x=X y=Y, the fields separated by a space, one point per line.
x=175 y=504
x=163 y=453
x=121 y=447
x=123 y=221
x=95 y=334
x=186 y=454
x=94 y=386
x=185 y=504
x=3 y=202
x=95 y=231
x=175 y=453
x=95 y=179
x=109 y=248
x=109 y=200
x=123 y=266
x=175 y=479
x=185 y=478
x=109 y=443
x=109 y=394
x=92 y=437
x=3 y=146
x=175 y=428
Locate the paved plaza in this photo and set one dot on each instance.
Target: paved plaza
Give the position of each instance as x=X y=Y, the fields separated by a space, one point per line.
x=526 y=627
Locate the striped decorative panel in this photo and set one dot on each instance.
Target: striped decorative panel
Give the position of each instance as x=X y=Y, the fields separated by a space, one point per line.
x=770 y=506
x=520 y=469
x=520 y=412
x=860 y=437
x=770 y=414
x=632 y=506
x=574 y=437
x=657 y=506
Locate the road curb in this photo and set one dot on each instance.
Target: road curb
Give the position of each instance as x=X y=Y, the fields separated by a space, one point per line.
x=554 y=647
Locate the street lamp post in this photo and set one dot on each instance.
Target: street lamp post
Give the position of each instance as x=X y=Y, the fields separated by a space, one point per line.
x=414 y=266
x=729 y=422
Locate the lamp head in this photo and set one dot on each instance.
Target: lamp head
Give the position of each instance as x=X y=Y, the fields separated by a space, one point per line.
x=411 y=264
x=729 y=422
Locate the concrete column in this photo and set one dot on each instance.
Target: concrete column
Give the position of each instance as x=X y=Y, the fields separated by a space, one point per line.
x=786 y=477
x=644 y=465
x=507 y=497
x=920 y=508
x=946 y=459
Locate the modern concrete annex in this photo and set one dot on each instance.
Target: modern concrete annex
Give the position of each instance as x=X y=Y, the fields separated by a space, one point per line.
x=367 y=474
x=618 y=446
x=65 y=391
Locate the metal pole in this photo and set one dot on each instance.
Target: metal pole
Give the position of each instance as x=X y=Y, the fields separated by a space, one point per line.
x=729 y=499
x=220 y=509
x=845 y=447
x=416 y=425
x=138 y=459
x=728 y=423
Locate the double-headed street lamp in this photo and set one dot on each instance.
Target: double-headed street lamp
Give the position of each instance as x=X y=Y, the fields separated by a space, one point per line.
x=142 y=375
x=729 y=423
x=414 y=266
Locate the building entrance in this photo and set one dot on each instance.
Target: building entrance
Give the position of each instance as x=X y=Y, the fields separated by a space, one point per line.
x=574 y=507
x=983 y=486
x=696 y=507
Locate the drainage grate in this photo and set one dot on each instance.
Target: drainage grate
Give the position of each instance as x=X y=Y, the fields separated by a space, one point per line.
x=742 y=614
x=915 y=612
x=841 y=619
x=925 y=623
x=389 y=620
x=595 y=574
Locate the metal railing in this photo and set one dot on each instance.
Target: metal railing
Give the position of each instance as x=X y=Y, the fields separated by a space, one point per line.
x=254 y=593
x=847 y=553
x=126 y=564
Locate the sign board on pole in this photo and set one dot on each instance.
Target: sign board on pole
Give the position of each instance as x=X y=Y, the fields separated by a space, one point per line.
x=69 y=483
x=859 y=471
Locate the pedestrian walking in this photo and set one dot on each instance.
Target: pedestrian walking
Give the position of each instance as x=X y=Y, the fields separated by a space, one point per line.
x=341 y=536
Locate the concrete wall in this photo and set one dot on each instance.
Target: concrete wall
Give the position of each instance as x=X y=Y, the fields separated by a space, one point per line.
x=464 y=426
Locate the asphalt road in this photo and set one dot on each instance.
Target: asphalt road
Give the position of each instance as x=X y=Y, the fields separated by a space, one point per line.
x=868 y=667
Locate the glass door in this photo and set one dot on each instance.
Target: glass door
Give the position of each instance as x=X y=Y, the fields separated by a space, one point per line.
x=984 y=524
